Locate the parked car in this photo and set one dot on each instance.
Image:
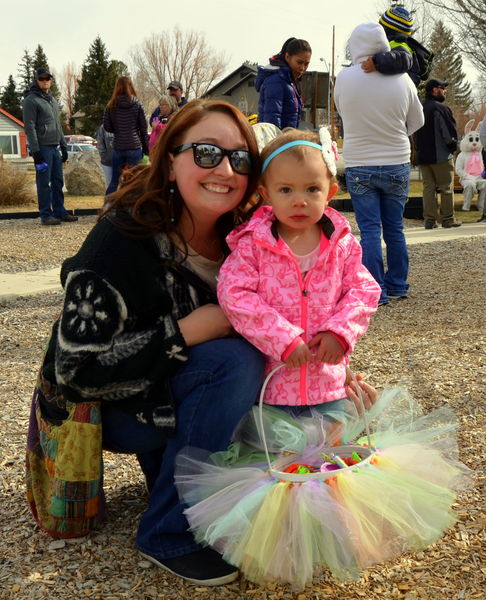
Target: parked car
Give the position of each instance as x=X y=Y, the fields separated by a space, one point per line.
x=80 y=139
x=75 y=148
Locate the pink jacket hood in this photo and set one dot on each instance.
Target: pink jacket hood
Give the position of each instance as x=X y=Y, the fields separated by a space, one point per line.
x=259 y=227
x=267 y=300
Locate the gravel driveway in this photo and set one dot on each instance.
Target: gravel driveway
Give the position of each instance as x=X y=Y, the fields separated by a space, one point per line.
x=434 y=343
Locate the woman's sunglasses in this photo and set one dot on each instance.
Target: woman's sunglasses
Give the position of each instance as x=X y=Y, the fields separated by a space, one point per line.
x=208 y=156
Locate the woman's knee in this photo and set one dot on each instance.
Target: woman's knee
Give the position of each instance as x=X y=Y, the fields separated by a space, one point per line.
x=228 y=353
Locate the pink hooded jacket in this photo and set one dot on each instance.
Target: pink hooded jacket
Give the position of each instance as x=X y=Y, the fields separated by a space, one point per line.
x=261 y=290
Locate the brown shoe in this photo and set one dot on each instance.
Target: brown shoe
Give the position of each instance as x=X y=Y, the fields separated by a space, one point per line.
x=69 y=219
x=448 y=224
x=50 y=221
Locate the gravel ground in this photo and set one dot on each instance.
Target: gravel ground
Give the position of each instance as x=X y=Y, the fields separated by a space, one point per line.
x=434 y=343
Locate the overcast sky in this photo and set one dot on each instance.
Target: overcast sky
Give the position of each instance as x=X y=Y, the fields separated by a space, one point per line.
x=243 y=30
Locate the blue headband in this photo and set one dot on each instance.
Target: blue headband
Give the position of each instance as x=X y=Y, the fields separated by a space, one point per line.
x=286 y=147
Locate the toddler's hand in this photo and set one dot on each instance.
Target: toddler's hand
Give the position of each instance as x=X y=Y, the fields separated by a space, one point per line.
x=329 y=350
x=368 y=65
x=299 y=356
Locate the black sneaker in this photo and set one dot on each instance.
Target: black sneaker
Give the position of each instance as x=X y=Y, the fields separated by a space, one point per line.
x=204 y=567
x=430 y=225
x=393 y=296
x=69 y=219
x=448 y=224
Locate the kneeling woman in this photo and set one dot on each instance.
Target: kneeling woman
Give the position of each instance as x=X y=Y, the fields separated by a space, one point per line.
x=142 y=359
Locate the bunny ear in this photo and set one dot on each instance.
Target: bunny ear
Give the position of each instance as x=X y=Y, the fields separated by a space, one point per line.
x=329 y=150
x=468 y=127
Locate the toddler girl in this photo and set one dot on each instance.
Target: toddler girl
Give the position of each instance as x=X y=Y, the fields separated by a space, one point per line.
x=294 y=284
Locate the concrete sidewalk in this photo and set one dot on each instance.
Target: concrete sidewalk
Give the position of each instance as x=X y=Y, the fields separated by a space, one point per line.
x=15 y=285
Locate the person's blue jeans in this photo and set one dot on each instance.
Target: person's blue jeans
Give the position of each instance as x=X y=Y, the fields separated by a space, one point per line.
x=130 y=158
x=49 y=185
x=212 y=391
x=378 y=195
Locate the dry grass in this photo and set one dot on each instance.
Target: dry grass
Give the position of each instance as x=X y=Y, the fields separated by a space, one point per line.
x=16 y=187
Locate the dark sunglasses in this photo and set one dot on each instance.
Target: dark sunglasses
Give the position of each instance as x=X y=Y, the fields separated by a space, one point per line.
x=208 y=156
x=44 y=79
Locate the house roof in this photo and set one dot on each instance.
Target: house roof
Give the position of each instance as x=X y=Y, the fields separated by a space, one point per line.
x=9 y=116
x=252 y=71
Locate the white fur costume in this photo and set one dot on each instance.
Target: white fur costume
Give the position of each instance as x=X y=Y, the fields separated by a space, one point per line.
x=469 y=165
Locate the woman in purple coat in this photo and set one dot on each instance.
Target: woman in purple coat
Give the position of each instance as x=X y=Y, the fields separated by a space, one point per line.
x=279 y=84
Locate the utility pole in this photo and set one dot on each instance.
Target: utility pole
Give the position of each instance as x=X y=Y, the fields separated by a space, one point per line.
x=331 y=83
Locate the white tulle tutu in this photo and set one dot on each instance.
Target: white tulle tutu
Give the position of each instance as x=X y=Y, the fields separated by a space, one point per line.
x=348 y=516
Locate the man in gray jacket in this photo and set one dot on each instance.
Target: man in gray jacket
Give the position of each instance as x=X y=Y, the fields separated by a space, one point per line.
x=45 y=136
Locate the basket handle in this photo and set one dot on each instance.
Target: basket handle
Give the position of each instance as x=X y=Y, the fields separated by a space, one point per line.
x=260 y=410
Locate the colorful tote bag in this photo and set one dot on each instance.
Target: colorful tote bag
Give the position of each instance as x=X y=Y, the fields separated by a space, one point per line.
x=64 y=468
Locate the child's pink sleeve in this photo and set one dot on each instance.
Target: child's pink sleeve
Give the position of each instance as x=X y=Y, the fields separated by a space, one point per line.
x=250 y=315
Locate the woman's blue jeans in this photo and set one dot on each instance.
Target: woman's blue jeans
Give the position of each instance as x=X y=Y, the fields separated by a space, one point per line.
x=131 y=158
x=211 y=392
x=379 y=195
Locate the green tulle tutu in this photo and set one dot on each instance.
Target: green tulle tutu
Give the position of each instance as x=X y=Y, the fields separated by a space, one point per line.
x=366 y=508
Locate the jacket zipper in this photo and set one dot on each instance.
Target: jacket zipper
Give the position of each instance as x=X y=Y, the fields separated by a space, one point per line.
x=303 y=323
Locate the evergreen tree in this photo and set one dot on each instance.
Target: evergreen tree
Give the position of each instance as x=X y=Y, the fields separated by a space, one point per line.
x=25 y=71
x=10 y=99
x=447 y=66
x=98 y=77
x=39 y=60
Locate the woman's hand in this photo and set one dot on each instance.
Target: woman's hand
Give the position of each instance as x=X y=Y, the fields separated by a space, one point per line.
x=368 y=392
x=206 y=323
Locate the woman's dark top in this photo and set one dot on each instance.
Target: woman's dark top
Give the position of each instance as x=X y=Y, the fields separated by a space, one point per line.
x=127 y=121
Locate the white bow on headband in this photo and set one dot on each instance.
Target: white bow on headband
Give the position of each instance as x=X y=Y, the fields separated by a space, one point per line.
x=329 y=150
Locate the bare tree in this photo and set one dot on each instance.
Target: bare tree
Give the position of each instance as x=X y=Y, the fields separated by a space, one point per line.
x=68 y=84
x=468 y=20
x=146 y=93
x=177 y=55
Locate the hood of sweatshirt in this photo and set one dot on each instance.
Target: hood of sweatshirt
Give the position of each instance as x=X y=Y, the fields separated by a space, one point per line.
x=35 y=89
x=366 y=40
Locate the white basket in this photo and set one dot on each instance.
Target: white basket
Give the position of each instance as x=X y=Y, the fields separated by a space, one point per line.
x=276 y=467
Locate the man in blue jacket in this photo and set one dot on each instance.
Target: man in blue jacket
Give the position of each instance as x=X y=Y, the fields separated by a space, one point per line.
x=45 y=139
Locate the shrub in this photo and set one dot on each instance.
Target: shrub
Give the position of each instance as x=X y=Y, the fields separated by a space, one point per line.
x=16 y=187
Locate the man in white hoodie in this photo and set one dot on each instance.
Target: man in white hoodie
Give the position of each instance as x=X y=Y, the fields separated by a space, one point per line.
x=379 y=113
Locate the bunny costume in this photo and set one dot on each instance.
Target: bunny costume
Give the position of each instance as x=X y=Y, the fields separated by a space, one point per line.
x=469 y=167
x=268 y=301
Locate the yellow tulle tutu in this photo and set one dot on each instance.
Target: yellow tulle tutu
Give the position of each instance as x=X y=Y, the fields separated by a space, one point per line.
x=343 y=517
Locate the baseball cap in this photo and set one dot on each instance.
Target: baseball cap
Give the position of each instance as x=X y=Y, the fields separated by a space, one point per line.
x=41 y=72
x=175 y=85
x=433 y=83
